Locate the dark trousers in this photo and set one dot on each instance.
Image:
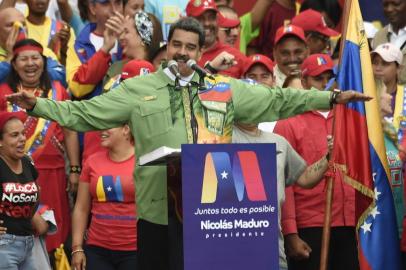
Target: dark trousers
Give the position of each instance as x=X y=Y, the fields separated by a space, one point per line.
x=98 y=258
x=160 y=247
x=343 y=252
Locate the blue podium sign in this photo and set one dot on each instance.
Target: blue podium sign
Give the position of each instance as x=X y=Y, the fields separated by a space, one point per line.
x=230 y=211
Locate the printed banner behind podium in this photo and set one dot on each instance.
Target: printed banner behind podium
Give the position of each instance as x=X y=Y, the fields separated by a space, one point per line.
x=230 y=211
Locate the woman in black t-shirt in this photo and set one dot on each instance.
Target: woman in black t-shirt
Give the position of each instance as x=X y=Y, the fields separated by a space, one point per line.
x=19 y=195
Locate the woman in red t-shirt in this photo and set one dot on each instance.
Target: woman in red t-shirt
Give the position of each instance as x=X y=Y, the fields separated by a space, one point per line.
x=106 y=190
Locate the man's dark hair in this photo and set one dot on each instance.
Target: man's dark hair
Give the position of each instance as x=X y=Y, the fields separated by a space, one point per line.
x=188 y=24
x=13 y=79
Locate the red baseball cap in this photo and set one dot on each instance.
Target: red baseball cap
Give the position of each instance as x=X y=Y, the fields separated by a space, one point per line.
x=289 y=30
x=227 y=22
x=316 y=64
x=311 y=20
x=195 y=8
x=7 y=116
x=136 y=68
x=258 y=59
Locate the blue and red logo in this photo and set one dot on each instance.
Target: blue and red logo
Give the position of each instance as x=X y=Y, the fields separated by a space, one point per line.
x=225 y=182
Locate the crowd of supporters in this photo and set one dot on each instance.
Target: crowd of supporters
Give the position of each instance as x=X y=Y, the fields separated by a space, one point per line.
x=77 y=50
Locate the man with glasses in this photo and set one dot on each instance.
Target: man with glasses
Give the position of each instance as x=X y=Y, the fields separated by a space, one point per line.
x=316 y=30
x=238 y=32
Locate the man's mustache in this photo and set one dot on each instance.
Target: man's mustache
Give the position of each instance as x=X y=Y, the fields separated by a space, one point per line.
x=178 y=58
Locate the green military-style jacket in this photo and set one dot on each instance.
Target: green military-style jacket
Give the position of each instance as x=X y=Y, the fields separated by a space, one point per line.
x=159 y=115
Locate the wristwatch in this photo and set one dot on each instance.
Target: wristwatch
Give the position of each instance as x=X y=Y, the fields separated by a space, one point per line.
x=75 y=169
x=333 y=97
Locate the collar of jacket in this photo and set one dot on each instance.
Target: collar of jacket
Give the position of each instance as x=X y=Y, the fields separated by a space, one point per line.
x=162 y=80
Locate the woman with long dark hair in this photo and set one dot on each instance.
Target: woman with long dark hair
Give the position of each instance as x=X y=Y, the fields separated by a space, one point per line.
x=47 y=142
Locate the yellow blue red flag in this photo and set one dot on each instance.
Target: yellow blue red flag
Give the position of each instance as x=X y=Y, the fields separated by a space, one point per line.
x=359 y=151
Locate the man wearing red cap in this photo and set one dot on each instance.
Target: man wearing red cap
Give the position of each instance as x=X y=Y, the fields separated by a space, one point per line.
x=289 y=52
x=303 y=211
x=316 y=30
x=260 y=69
x=239 y=31
x=205 y=11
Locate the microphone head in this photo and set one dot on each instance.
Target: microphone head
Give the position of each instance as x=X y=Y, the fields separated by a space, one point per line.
x=172 y=63
x=190 y=63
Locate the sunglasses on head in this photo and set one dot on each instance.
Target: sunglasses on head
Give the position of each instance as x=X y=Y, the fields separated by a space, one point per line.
x=228 y=30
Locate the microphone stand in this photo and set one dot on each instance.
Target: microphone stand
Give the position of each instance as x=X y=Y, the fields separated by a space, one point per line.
x=177 y=84
x=193 y=121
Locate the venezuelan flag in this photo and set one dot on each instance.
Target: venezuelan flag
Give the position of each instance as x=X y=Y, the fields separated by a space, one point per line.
x=359 y=152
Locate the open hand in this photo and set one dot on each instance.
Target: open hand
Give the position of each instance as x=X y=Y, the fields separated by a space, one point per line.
x=114 y=28
x=350 y=96
x=23 y=99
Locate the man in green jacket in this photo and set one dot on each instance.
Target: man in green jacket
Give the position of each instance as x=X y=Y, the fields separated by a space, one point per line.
x=164 y=111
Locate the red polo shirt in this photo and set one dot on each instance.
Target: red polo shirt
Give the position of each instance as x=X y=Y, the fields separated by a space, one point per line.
x=303 y=208
x=235 y=71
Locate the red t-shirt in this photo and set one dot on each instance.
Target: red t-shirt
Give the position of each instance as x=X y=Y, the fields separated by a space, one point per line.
x=92 y=144
x=304 y=208
x=274 y=18
x=235 y=71
x=112 y=190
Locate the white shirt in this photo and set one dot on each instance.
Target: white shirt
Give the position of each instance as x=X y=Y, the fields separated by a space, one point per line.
x=97 y=42
x=398 y=39
x=183 y=80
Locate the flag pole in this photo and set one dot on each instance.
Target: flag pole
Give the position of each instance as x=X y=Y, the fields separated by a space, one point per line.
x=325 y=241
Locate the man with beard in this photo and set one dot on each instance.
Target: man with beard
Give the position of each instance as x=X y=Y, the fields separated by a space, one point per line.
x=205 y=11
x=395 y=31
x=289 y=51
x=162 y=113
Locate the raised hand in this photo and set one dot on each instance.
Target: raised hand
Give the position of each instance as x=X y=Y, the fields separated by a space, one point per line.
x=223 y=61
x=114 y=28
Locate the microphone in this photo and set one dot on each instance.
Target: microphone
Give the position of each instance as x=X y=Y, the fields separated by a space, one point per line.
x=173 y=68
x=201 y=71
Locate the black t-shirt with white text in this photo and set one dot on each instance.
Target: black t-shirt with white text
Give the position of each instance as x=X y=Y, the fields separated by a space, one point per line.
x=19 y=195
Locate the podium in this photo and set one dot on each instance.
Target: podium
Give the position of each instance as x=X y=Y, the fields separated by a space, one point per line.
x=161 y=246
x=229 y=218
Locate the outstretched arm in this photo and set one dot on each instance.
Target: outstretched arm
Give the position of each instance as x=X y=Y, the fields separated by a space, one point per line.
x=102 y=112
